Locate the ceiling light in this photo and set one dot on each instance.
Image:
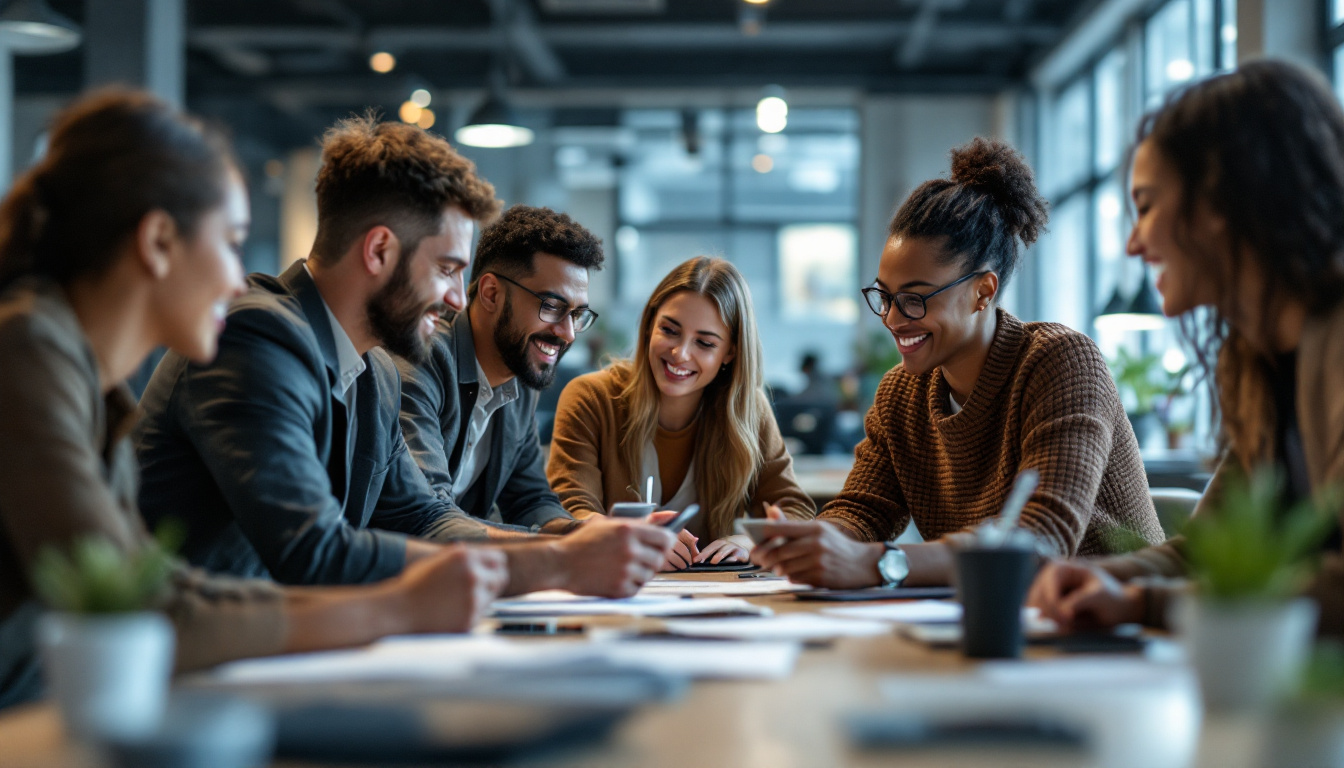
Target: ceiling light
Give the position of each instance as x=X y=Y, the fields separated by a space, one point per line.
x=29 y=26
x=426 y=120
x=421 y=97
x=1142 y=313
x=382 y=62
x=1180 y=70
x=494 y=125
x=763 y=163
x=772 y=114
x=409 y=112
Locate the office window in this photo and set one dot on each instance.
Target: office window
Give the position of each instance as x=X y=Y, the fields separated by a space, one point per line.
x=1113 y=132
x=1069 y=161
x=1336 y=39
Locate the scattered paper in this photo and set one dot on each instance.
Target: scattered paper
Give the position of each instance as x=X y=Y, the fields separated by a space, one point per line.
x=911 y=612
x=447 y=657
x=740 y=587
x=792 y=626
x=639 y=605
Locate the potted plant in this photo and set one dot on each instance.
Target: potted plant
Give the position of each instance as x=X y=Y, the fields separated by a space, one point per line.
x=1139 y=381
x=875 y=353
x=1245 y=628
x=106 y=652
x=1308 y=729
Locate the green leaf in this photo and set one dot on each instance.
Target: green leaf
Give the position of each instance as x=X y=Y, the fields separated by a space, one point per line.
x=96 y=576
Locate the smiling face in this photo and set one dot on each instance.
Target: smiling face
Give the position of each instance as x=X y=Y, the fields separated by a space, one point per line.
x=531 y=347
x=206 y=275
x=918 y=265
x=688 y=344
x=424 y=285
x=1158 y=197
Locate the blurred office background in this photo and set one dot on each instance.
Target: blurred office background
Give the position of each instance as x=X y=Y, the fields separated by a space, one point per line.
x=780 y=135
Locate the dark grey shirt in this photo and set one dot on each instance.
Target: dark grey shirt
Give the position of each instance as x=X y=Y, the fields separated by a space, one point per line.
x=438 y=400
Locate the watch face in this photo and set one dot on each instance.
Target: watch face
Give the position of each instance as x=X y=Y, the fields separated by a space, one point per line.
x=893 y=566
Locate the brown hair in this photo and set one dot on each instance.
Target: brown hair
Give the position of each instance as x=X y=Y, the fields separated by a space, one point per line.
x=1263 y=146
x=112 y=157
x=392 y=174
x=727 y=457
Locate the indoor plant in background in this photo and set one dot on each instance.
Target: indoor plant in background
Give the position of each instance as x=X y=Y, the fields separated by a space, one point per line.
x=107 y=654
x=1139 y=379
x=1245 y=627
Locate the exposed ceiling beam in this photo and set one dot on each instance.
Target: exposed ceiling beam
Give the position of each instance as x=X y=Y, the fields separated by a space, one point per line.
x=1015 y=11
x=921 y=32
x=517 y=24
x=797 y=36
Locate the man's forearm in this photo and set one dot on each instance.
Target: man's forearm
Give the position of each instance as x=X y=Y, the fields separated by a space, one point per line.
x=534 y=566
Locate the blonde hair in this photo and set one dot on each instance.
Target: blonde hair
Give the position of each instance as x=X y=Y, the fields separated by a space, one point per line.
x=732 y=407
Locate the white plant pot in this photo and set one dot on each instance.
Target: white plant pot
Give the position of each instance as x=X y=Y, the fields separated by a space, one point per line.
x=107 y=673
x=1247 y=653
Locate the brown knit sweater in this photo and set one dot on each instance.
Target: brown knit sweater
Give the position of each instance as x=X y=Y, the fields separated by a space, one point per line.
x=1045 y=400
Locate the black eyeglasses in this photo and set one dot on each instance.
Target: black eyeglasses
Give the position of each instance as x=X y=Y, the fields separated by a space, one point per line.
x=552 y=311
x=912 y=305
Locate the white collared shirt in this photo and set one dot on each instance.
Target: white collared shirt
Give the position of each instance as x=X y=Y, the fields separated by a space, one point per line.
x=349 y=363
x=476 y=450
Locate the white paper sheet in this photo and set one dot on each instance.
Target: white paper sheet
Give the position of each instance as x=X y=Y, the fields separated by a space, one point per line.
x=446 y=657
x=564 y=604
x=791 y=626
x=739 y=587
x=911 y=612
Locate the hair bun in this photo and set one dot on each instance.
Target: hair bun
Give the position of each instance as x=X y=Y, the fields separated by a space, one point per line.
x=996 y=169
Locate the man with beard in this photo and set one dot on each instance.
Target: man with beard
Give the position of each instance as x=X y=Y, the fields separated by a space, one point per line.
x=469 y=410
x=284 y=456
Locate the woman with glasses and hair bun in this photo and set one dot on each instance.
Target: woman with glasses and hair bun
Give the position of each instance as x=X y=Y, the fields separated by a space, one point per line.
x=688 y=412
x=979 y=397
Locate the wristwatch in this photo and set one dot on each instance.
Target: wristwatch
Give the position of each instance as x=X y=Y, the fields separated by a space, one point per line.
x=893 y=566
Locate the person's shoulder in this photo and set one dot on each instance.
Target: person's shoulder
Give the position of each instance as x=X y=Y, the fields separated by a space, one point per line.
x=35 y=320
x=606 y=383
x=440 y=364
x=270 y=311
x=1060 y=344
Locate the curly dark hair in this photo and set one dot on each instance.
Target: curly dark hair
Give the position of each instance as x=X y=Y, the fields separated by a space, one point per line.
x=508 y=245
x=988 y=205
x=392 y=174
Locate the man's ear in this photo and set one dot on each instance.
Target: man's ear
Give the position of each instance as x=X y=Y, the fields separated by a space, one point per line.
x=489 y=292
x=156 y=238
x=380 y=250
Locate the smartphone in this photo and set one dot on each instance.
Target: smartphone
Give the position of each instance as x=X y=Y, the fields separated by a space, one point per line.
x=754 y=527
x=635 y=509
x=685 y=516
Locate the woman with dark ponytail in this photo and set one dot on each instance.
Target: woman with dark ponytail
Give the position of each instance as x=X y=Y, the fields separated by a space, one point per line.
x=124 y=238
x=979 y=396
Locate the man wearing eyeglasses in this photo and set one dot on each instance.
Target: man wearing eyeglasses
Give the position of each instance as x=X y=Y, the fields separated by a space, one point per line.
x=468 y=411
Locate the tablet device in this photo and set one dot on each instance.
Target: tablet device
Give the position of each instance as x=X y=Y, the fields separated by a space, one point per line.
x=718 y=567
x=878 y=593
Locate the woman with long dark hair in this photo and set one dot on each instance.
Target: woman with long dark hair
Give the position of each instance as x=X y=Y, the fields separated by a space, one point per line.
x=125 y=237
x=1238 y=191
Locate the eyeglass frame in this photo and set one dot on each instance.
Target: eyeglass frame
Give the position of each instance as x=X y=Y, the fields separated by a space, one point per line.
x=890 y=298
x=574 y=315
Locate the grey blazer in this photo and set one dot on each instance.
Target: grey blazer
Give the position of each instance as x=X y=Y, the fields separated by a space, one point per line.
x=253 y=454
x=437 y=398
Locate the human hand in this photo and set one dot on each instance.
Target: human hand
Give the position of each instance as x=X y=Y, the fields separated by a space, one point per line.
x=684 y=551
x=1079 y=596
x=449 y=590
x=729 y=549
x=816 y=552
x=612 y=558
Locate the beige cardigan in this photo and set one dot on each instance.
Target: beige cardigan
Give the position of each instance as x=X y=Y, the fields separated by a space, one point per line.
x=1320 y=418
x=587 y=471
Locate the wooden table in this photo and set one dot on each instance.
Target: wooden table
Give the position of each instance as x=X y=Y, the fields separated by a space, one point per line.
x=791 y=723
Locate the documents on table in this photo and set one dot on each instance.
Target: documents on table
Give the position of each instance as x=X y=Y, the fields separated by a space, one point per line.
x=560 y=603
x=740 y=587
x=792 y=626
x=449 y=657
x=912 y=612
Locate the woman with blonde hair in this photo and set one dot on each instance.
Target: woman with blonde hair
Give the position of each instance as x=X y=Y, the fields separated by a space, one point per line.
x=689 y=411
